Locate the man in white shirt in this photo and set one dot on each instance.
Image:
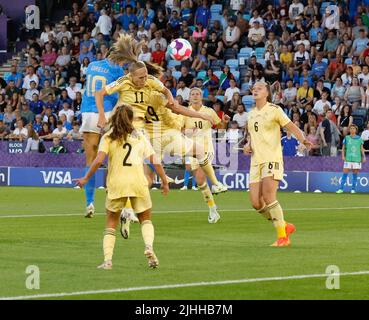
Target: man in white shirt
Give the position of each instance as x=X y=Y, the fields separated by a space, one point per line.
x=145 y=55
x=230 y=91
x=256 y=35
x=104 y=24
x=231 y=34
x=67 y=111
x=20 y=132
x=60 y=131
x=73 y=88
x=183 y=91
x=31 y=91
x=296 y=8
x=31 y=76
x=63 y=33
x=290 y=93
x=241 y=116
x=256 y=17
x=364 y=76
x=319 y=105
x=158 y=39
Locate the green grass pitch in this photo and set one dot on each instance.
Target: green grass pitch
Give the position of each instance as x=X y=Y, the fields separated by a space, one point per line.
x=331 y=230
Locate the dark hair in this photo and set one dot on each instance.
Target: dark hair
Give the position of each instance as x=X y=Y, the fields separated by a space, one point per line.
x=349 y=112
x=59 y=123
x=121 y=123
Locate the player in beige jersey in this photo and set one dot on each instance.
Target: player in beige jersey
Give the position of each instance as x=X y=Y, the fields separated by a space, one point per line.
x=266 y=169
x=126 y=148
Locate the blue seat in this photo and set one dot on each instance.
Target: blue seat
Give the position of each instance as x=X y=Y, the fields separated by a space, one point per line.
x=248 y=101
x=201 y=74
x=242 y=59
x=323 y=7
x=262 y=62
x=215 y=16
x=218 y=73
x=259 y=53
x=328 y=85
x=6 y=75
x=245 y=86
x=247 y=50
x=216 y=8
x=221 y=98
x=247 y=16
x=176 y=74
x=348 y=61
x=173 y=64
x=236 y=74
x=232 y=63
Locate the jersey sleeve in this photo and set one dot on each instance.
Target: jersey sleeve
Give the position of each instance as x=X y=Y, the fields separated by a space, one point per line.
x=215 y=117
x=155 y=84
x=115 y=86
x=281 y=118
x=104 y=144
x=344 y=142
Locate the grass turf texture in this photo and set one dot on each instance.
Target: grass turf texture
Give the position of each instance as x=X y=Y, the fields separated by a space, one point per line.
x=67 y=249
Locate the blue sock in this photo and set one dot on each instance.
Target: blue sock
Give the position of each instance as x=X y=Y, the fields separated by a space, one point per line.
x=186 y=178
x=194 y=183
x=354 y=181
x=90 y=189
x=151 y=166
x=343 y=180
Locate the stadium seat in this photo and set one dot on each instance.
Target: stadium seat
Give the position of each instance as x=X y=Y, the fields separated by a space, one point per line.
x=217 y=63
x=232 y=63
x=247 y=16
x=359 y=121
x=176 y=74
x=242 y=58
x=325 y=60
x=348 y=61
x=230 y=53
x=328 y=85
x=236 y=74
x=247 y=50
x=248 y=101
x=259 y=53
x=323 y=7
x=215 y=16
x=360 y=112
x=245 y=86
x=221 y=98
x=216 y=8
x=173 y=63
x=201 y=74
x=6 y=75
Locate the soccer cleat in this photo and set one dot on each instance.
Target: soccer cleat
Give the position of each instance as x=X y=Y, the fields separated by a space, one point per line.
x=90 y=211
x=183 y=188
x=213 y=215
x=195 y=188
x=124 y=226
x=353 y=191
x=151 y=257
x=281 y=242
x=290 y=228
x=170 y=180
x=218 y=188
x=130 y=214
x=106 y=265
x=339 y=191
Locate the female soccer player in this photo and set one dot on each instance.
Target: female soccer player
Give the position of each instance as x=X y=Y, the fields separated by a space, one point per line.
x=127 y=149
x=266 y=170
x=353 y=155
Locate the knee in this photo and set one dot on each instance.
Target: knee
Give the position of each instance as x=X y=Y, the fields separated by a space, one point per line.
x=257 y=204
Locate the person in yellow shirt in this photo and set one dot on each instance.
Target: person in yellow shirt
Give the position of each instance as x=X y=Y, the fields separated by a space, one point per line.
x=200 y=132
x=305 y=95
x=266 y=169
x=286 y=57
x=164 y=126
x=126 y=149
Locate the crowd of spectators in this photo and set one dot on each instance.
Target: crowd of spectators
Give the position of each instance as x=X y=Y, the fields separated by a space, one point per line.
x=314 y=54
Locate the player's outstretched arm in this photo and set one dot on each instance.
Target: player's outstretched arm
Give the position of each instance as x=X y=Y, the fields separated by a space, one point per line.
x=178 y=109
x=300 y=136
x=99 y=99
x=96 y=164
x=168 y=95
x=160 y=171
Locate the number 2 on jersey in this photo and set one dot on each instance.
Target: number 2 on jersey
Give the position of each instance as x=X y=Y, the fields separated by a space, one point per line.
x=125 y=163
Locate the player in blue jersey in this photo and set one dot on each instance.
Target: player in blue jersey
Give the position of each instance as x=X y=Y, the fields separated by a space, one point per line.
x=99 y=74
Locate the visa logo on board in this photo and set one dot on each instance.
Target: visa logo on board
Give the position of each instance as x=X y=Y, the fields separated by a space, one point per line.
x=57 y=177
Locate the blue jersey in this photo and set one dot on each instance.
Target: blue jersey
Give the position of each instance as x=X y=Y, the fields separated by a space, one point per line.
x=99 y=74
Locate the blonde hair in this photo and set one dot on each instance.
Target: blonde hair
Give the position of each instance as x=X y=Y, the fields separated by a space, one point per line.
x=121 y=123
x=126 y=50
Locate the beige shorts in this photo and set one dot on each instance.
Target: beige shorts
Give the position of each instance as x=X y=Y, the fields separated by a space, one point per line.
x=172 y=142
x=195 y=163
x=267 y=169
x=139 y=204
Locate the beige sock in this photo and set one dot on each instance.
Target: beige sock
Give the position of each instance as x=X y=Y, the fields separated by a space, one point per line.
x=265 y=213
x=109 y=243
x=207 y=195
x=209 y=171
x=147 y=230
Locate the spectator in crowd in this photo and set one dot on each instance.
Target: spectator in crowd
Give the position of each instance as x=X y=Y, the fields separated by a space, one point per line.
x=20 y=133
x=74 y=134
x=26 y=113
x=365 y=137
x=4 y=130
x=231 y=91
x=33 y=140
x=240 y=117
x=256 y=35
x=331 y=45
x=319 y=105
x=45 y=133
x=104 y=24
x=313 y=138
x=67 y=111
x=63 y=33
x=360 y=43
x=234 y=134
x=73 y=88
x=345 y=120
x=49 y=56
x=37 y=124
x=158 y=55
x=354 y=92
x=145 y=55
x=57 y=148
x=183 y=90
x=31 y=76
x=203 y=14
x=59 y=131
x=15 y=76
x=318 y=68
x=31 y=91
x=46 y=91
x=9 y=116
x=289 y=145
x=232 y=34
x=187 y=77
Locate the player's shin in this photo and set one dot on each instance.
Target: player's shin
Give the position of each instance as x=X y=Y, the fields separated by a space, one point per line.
x=343 y=180
x=354 y=181
x=265 y=213
x=276 y=214
x=208 y=169
x=207 y=195
x=147 y=230
x=108 y=243
x=90 y=189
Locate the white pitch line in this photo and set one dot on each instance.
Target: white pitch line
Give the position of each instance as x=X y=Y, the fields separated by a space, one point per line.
x=183 y=285
x=174 y=211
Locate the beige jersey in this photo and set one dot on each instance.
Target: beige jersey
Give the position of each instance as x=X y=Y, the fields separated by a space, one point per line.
x=199 y=129
x=158 y=117
x=137 y=98
x=126 y=177
x=264 y=127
